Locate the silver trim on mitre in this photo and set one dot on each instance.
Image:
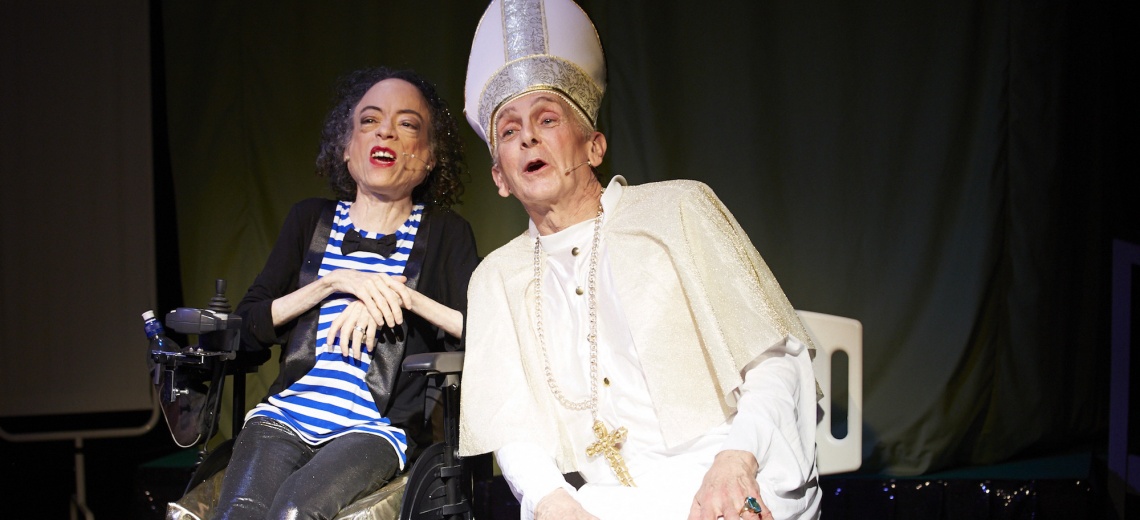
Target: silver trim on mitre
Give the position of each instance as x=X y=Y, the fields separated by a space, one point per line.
x=541 y=72
x=524 y=28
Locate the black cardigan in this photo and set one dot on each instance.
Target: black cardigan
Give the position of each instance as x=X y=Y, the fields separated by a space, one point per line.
x=440 y=265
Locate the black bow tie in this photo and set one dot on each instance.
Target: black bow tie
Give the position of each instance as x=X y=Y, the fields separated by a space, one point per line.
x=383 y=246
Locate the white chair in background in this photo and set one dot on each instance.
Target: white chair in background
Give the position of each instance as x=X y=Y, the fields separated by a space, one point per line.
x=833 y=334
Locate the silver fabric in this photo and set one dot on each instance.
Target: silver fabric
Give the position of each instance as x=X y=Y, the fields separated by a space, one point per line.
x=382 y=504
x=541 y=73
x=199 y=502
x=525 y=28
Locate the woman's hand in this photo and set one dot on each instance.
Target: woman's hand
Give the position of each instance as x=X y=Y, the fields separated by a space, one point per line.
x=559 y=504
x=383 y=296
x=386 y=297
x=355 y=328
x=728 y=483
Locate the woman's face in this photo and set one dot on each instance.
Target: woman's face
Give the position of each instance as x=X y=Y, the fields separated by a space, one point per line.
x=389 y=152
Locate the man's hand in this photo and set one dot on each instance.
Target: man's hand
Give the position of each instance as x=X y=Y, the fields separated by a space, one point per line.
x=559 y=504
x=728 y=483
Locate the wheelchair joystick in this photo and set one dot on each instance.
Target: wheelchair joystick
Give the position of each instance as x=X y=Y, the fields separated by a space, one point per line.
x=219 y=303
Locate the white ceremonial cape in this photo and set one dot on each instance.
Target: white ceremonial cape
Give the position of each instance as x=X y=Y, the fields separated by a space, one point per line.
x=700 y=301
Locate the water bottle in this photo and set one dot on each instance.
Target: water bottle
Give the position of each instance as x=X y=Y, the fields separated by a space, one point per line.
x=157 y=335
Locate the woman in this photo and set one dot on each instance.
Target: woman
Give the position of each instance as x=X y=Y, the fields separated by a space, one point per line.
x=352 y=287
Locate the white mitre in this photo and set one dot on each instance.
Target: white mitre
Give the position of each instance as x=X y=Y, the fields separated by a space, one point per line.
x=523 y=46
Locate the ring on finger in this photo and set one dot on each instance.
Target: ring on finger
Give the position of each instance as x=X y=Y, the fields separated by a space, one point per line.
x=359 y=329
x=751 y=505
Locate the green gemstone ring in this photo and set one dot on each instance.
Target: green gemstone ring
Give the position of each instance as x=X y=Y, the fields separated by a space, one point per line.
x=751 y=504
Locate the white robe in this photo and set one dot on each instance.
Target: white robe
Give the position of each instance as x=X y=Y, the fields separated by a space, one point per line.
x=762 y=416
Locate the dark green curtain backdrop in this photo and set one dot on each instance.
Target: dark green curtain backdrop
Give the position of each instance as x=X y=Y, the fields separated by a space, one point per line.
x=936 y=170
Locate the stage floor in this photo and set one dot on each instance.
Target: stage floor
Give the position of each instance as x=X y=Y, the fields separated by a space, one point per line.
x=1068 y=486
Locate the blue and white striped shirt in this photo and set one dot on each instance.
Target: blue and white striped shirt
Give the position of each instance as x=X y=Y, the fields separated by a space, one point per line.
x=332 y=399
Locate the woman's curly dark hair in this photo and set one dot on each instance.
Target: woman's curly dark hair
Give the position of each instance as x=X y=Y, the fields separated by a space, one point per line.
x=444 y=183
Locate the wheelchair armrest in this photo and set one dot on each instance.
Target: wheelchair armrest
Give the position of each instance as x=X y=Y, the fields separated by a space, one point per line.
x=435 y=363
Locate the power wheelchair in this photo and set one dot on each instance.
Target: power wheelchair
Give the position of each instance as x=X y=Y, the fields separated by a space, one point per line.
x=438 y=485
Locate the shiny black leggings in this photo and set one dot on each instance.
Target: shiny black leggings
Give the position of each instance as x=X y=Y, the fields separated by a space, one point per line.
x=273 y=474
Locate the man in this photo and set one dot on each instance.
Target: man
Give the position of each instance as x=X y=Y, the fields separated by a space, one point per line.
x=633 y=334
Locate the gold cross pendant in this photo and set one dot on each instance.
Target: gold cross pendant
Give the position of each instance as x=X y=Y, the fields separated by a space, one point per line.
x=609 y=445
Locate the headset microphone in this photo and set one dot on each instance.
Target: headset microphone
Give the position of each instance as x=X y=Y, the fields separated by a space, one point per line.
x=413 y=156
x=575 y=167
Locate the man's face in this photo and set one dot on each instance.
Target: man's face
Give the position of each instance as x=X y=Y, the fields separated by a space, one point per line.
x=542 y=150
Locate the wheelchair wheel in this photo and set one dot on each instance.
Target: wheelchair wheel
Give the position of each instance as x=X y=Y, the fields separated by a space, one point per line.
x=426 y=494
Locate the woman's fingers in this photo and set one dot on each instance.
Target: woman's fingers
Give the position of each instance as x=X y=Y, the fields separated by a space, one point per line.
x=392 y=298
x=378 y=308
x=356 y=345
x=370 y=335
x=348 y=333
x=384 y=296
x=381 y=299
x=403 y=293
x=383 y=303
x=352 y=331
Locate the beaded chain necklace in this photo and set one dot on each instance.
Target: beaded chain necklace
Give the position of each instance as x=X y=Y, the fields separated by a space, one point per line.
x=608 y=444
